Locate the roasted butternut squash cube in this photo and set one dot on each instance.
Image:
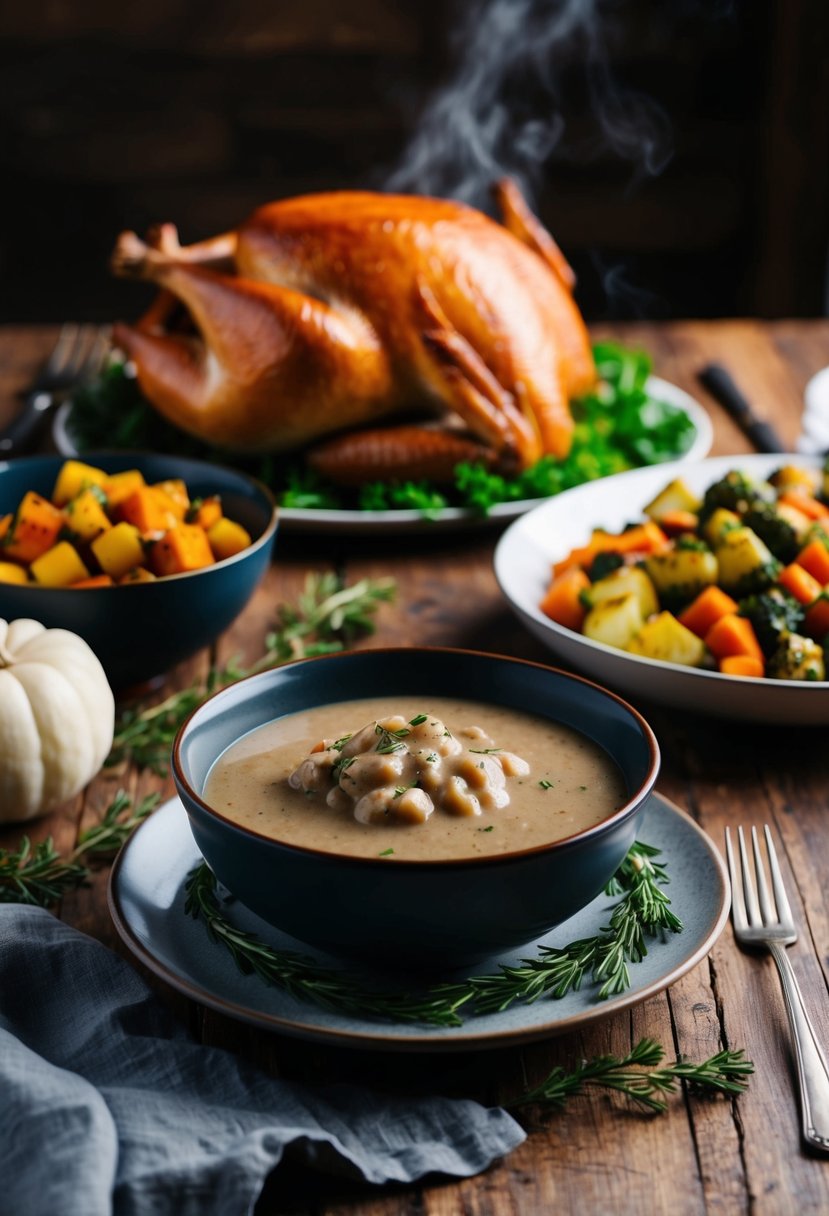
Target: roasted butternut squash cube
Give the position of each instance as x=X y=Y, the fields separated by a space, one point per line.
x=119 y=486
x=59 y=566
x=205 y=512
x=96 y=580
x=176 y=491
x=227 y=538
x=33 y=530
x=118 y=549
x=86 y=517
x=140 y=574
x=150 y=509
x=12 y=573
x=73 y=478
x=183 y=548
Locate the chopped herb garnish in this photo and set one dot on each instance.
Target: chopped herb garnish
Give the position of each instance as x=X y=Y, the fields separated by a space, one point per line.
x=344 y=762
x=545 y=784
x=431 y=758
x=339 y=744
x=485 y=751
x=489 y=829
x=386 y=853
x=419 y=720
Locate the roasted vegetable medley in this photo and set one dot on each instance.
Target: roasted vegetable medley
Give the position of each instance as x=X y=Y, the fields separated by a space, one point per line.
x=99 y=529
x=736 y=582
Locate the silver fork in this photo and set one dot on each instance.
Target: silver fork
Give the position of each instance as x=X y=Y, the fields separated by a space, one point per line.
x=78 y=354
x=760 y=922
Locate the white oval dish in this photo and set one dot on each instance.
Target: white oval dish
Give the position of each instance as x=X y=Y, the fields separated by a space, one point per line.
x=523 y=559
x=369 y=523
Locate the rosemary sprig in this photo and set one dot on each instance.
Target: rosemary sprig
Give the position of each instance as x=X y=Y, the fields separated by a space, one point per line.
x=40 y=875
x=642 y=911
x=641 y=1076
x=328 y=617
x=300 y=975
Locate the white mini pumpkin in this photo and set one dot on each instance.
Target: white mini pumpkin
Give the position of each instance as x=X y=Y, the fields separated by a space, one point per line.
x=57 y=716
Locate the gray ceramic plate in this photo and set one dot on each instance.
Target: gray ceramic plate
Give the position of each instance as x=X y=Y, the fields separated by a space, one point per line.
x=146 y=899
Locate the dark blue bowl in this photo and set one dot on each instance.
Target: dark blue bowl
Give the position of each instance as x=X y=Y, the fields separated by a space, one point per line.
x=415 y=913
x=144 y=629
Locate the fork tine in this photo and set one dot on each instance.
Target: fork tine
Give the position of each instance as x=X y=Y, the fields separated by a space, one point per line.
x=781 y=899
x=768 y=913
x=752 y=906
x=66 y=340
x=738 y=907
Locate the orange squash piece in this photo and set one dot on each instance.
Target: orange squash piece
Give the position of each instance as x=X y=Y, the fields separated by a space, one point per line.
x=149 y=509
x=815 y=559
x=731 y=635
x=742 y=665
x=177 y=492
x=183 y=548
x=96 y=580
x=706 y=610
x=562 y=603
x=799 y=583
x=33 y=530
x=5 y=524
x=206 y=513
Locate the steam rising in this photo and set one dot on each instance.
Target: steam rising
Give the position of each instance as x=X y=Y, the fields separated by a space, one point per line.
x=502 y=110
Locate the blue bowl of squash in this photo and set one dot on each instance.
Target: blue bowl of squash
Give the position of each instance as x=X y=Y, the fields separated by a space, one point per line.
x=131 y=583
x=308 y=789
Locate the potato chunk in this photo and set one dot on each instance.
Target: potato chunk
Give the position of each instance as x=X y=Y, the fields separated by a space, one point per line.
x=665 y=638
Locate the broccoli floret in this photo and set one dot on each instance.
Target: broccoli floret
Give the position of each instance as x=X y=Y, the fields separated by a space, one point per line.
x=774 y=530
x=772 y=613
x=604 y=564
x=796 y=658
x=736 y=493
x=757 y=580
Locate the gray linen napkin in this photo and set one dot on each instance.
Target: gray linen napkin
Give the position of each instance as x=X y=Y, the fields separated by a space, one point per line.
x=107 y=1106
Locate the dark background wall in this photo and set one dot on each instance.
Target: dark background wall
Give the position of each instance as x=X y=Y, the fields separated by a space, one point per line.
x=118 y=115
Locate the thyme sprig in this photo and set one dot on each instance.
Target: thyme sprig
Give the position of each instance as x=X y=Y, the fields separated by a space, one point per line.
x=641 y=1076
x=39 y=874
x=642 y=912
x=327 y=617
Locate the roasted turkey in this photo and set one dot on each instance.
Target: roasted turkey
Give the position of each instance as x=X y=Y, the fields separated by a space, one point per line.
x=330 y=312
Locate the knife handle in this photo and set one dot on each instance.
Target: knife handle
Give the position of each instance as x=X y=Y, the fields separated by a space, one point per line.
x=720 y=385
x=27 y=427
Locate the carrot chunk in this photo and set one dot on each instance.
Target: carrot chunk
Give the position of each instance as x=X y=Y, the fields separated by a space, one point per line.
x=816 y=623
x=806 y=504
x=799 y=583
x=741 y=665
x=731 y=635
x=815 y=559
x=674 y=523
x=562 y=603
x=641 y=539
x=706 y=610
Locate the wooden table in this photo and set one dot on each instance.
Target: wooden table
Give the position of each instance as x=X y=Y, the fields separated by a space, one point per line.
x=703 y=1155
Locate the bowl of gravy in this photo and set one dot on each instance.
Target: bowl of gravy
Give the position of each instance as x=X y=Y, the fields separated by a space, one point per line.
x=417 y=807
